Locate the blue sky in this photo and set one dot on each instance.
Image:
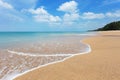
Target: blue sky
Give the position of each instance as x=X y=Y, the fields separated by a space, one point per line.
x=57 y=15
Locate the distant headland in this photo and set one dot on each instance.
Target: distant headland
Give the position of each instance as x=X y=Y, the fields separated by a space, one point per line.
x=111 y=26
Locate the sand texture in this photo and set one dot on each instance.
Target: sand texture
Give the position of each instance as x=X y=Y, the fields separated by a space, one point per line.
x=103 y=62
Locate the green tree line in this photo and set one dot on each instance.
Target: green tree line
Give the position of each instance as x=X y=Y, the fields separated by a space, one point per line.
x=111 y=26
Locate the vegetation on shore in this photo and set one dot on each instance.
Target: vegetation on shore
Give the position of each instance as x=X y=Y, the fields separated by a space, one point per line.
x=111 y=26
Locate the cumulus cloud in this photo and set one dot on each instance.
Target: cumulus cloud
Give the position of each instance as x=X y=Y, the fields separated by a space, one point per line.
x=71 y=17
x=8 y=13
x=70 y=6
x=91 y=15
x=39 y=11
x=71 y=12
x=41 y=15
x=5 y=5
x=113 y=14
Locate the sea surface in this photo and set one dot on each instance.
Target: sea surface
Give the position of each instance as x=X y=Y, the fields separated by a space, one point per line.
x=22 y=51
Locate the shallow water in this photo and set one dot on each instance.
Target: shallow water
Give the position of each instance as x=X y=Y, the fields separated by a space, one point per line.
x=20 y=52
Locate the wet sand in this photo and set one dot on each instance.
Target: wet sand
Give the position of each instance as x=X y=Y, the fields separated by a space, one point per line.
x=59 y=45
x=103 y=62
x=18 y=59
x=14 y=64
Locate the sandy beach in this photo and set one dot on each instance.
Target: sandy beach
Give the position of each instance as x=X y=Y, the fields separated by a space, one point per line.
x=103 y=62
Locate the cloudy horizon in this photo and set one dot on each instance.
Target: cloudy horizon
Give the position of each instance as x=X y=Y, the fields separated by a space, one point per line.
x=60 y=15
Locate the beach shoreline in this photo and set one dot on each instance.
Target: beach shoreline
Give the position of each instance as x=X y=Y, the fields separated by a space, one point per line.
x=92 y=54
x=55 y=62
x=17 y=60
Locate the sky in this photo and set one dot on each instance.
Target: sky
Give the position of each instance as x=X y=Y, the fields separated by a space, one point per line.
x=57 y=15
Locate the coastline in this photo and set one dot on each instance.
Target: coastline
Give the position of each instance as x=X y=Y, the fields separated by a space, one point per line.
x=80 y=66
x=55 y=62
x=17 y=60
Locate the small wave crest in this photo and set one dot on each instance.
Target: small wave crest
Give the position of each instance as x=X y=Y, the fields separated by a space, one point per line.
x=32 y=54
x=20 y=60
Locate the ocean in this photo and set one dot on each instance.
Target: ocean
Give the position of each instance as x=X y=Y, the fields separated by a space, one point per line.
x=22 y=51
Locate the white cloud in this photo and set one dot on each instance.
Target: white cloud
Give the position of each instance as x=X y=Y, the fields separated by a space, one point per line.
x=9 y=13
x=47 y=18
x=41 y=15
x=113 y=14
x=70 y=17
x=70 y=6
x=91 y=15
x=5 y=5
x=39 y=11
x=71 y=12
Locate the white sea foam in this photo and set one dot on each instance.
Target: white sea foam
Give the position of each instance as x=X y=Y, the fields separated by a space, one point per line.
x=17 y=75
x=10 y=76
x=31 y=54
x=74 y=34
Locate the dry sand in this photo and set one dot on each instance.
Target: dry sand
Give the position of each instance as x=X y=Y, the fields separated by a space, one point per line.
x=103 y=63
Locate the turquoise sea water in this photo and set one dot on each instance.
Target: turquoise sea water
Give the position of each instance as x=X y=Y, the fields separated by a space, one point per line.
x=8 y=39
x=23 y=51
